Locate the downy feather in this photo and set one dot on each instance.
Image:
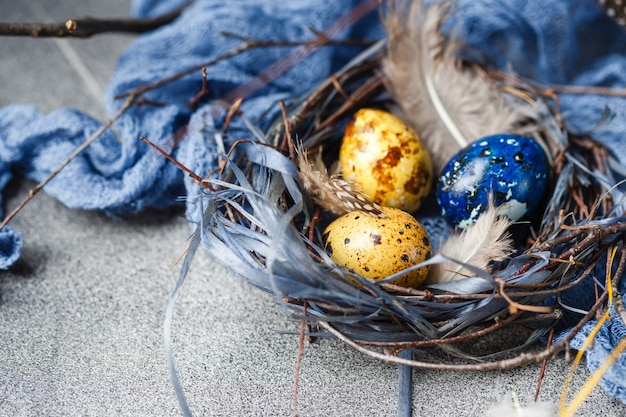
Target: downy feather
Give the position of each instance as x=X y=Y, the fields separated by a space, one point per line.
x=449 y=104
x=331 y=192
x=478 y=245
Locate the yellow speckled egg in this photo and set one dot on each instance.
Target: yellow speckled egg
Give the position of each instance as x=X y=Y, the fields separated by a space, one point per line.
x=386 y=159
x=377 y=247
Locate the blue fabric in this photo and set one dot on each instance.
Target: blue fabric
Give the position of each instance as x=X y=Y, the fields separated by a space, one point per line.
x=554 y=42
x=607 y=338
x=121 y=175
x=551 y=41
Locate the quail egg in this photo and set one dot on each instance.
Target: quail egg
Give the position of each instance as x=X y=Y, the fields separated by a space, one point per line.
x=376 y=247
x=386 y=159
x=510 y=169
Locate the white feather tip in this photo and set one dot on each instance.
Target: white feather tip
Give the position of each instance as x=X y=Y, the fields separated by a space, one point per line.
x=479 y=245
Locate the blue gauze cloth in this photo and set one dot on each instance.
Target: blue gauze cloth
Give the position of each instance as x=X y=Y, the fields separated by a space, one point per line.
x=551 y=42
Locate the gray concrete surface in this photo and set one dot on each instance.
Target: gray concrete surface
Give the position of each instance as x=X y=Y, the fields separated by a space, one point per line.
x=81 y=313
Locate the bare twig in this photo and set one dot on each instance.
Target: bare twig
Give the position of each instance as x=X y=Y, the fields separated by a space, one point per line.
x=522 y=359
x=318 y=34
x=544 y=364
x=498 y=324
x=519 y=360
x=204 y=90
x=246 y=46
x=375 y=83
x=270 y=73
x=232 y=111
x=85 y=27
x=287 y=140
x=33 y=191
x=619 y=302
x=198 y=179
x=326 y=87
x=514 y=306
x=288 y=62
x=589 y=89
x=296 y=384
x=556 y=88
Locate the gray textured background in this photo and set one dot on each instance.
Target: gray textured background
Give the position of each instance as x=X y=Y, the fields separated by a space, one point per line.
x=81 y=313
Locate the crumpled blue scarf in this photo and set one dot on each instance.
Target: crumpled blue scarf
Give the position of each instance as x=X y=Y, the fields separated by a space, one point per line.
x=550 y=41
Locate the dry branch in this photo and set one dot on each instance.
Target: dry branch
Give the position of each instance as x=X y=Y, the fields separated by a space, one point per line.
x=33 y=191
x=85 y=27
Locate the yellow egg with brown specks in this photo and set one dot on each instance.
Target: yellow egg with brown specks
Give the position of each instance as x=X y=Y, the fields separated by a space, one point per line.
x=386 y=159
x=376 y=247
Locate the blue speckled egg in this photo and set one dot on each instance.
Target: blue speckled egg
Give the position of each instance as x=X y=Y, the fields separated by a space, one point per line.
x=512 y=168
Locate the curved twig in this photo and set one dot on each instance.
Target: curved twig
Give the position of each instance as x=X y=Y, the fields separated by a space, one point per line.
x=519 y=360
x=522 y=359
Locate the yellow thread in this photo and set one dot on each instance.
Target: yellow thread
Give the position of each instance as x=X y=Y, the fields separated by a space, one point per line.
x=594 y=379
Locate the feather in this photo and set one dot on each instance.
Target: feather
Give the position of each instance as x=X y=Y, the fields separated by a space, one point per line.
x=508 y=408
x=478 y=245
x=331 y=192
x=448 y=103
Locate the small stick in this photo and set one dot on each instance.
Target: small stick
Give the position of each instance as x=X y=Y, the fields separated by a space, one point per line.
x=197 y=178
x=318 y=35
x=193 y=103
x=85 y=27
x=33 y=191
x=279 y=67
x=324 y=89
x=520 y=360
x=365 y=90
x=514 y=306
x=232 y=111
x=589 y=89
x=335 y=82
x=619 y=302
x=287 y=140
x=557 y=88
x=314 y=220
x=303 y=327
x=542 y=372
x=273 y=71
x=233 y=52
x=498 y=324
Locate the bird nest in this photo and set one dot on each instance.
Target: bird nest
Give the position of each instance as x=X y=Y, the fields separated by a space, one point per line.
x=262 y=223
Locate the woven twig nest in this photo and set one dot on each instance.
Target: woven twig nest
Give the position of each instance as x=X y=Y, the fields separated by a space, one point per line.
x=262 y=224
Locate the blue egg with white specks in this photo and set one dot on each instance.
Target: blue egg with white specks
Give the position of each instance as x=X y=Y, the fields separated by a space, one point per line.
x=511 y=168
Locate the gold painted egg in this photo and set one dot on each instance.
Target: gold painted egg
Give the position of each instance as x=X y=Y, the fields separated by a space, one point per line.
x=386 y=159
x=377 y=247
